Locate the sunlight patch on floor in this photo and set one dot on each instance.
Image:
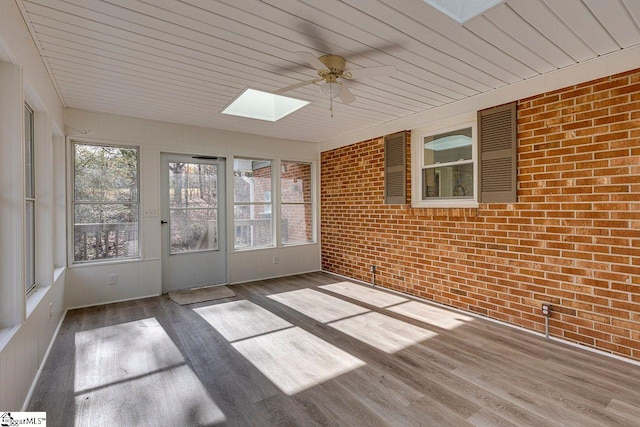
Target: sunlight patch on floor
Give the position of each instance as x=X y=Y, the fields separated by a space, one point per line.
x=321 y=307
x=292 y=358
x=242 y=319
x=117 y=367
x=295 y=360
x=436 y=316
x=365 y=294
x=383 y=332
x=378 y=330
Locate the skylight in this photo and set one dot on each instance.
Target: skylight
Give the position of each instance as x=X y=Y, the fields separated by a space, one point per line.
x=256 y=104
x=462 y=10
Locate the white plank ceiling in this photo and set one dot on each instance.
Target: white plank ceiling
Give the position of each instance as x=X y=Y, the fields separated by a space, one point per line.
x=183 y=61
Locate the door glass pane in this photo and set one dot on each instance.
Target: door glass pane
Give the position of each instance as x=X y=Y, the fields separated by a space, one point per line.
x=193 y=230
x=193 y=206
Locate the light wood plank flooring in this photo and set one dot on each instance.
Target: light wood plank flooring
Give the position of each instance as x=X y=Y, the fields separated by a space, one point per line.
x=314 y=349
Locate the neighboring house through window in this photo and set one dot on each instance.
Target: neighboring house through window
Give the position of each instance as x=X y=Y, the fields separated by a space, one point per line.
x=252 y=203
x=296 y=207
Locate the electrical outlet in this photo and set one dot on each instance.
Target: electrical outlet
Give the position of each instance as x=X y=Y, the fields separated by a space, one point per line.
x=546 y=309
x=113 y=279
x=373 y=268
x=275 y=259
x=50 y=310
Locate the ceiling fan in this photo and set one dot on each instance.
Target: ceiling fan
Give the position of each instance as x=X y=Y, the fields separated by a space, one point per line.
x=332 y=73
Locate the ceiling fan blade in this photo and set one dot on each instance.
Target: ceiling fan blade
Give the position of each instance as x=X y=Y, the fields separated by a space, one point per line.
x=346 y=96
x=295 y=86
x=360 y=73
x=311 y=60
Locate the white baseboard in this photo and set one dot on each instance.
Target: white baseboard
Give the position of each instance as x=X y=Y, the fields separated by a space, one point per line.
x=491 y=319
x=44 y=360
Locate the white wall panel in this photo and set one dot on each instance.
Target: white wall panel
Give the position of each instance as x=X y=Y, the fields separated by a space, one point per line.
x=88 y=284
x=22 y=347
x=245 y=266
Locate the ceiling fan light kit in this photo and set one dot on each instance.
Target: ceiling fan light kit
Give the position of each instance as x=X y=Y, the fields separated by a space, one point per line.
x=330 y=68
x=331 y=89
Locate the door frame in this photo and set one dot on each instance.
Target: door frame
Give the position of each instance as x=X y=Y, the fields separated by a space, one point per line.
x=223 y=210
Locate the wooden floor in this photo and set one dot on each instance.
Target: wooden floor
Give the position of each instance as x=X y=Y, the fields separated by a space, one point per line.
x=314 y=350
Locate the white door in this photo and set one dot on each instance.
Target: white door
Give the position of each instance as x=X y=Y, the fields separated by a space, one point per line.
x=194 y=247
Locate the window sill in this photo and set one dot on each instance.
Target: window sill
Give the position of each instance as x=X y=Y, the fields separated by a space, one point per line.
x=6 y=334
x=110 y=262
x=446 y=203
x=57 y=272
x=288 y=245
x=260 y=248
x=35 y=297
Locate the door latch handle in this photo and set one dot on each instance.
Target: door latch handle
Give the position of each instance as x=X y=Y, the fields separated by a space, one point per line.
x=162 y=222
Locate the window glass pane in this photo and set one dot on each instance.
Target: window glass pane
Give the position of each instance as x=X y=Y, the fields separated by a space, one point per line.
x=105 y=231
x=30 y=268
x=105 y=174
x=448 y=147
x=252 y=224
x=193 y=185
x=295 y=182
x=296 y=223
x=105 y=205
x=252 y=209
x=193 y=230
x=28 y=153
x=252 y=180
x=448 y=182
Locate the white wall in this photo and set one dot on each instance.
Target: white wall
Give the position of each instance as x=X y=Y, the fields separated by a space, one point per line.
x=27 y=324
x=88 y=284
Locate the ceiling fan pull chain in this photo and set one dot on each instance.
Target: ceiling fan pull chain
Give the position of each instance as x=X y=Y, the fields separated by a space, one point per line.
x=331 y=106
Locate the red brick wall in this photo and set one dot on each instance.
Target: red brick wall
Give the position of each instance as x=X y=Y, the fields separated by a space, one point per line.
x=573 y=238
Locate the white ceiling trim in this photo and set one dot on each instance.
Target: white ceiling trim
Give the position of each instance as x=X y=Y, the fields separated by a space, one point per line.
x=184 y=60
x=614 y=63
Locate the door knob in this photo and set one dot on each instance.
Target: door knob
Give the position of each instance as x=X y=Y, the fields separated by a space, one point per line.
x=162 y=222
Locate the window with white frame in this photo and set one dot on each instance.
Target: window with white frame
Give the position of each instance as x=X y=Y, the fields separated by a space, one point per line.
x=252 y=203
x=30 y=201
x=105 y=202
x=296 y=206
x=446 y=168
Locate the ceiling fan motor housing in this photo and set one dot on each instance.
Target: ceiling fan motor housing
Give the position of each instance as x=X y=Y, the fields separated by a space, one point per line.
x=334 y=63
